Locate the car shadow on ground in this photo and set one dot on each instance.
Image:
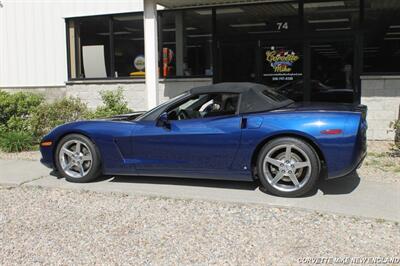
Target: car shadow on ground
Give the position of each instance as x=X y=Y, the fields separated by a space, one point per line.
x=343 y=185
x=337 y=186
x=187 y=182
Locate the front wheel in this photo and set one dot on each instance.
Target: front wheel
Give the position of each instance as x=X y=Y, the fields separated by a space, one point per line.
x=77 y=159
x=288 y=167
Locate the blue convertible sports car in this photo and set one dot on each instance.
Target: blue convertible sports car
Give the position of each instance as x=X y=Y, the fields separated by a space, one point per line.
x=230 y=131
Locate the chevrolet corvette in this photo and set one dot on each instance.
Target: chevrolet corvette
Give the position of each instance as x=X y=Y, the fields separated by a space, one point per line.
x=229 y=131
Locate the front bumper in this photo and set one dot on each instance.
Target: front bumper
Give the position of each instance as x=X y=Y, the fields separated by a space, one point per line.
x=47 y=163
x=47 y=157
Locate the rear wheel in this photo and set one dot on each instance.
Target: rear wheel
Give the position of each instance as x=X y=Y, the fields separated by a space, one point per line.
x=288 y=167
x=77 y=159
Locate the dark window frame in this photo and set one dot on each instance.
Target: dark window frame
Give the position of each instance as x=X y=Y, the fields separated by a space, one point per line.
x=110 y=64
x=363 y=29
x=166 y=11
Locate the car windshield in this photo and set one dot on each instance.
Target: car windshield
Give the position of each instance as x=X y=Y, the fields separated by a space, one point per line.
x=146 y=114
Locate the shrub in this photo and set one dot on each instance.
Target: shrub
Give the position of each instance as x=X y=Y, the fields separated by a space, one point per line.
x=113 y=104
x=18 y=106
x=16 y=141
x=49 y=115
x=16 y=123
x=25 y=117
x=397 y=133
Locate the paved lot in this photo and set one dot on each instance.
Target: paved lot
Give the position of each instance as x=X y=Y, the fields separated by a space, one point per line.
x=349 y=196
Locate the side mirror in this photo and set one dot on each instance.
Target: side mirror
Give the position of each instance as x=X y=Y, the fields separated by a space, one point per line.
x=163 y=121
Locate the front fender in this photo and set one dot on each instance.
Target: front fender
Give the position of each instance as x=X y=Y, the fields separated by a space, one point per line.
x=111 y=138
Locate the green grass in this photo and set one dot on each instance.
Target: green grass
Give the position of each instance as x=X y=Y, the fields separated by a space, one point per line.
x=385 y=161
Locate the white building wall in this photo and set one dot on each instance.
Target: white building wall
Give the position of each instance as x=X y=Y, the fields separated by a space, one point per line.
x=33 y=38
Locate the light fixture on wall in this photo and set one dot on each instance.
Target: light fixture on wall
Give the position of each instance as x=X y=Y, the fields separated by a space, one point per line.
x=333 y=29
x=334 y=20
x=199 y=35
x=392 y=39
x=233 y=10
x=133 y=29
x=246 y=25
x=115 y=33
x=169 y=29
x=173 y=29
x=321 y=4
x=264 y=31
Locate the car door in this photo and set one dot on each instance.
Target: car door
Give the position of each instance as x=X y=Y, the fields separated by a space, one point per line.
x=207 y=144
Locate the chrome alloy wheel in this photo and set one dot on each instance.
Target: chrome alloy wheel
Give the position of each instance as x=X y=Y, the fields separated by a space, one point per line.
x=75 y=158
x=287 y=167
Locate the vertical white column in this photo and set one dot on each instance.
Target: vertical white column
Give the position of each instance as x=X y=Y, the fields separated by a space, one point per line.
x=151 y=51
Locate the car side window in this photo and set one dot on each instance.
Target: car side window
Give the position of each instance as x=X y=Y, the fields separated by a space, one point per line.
x=205 y=105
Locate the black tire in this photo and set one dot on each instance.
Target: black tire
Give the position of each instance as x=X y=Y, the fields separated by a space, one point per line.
x=93 y=172
x=285 y=187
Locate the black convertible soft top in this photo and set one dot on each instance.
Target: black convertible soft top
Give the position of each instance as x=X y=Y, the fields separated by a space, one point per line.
x=254 y=97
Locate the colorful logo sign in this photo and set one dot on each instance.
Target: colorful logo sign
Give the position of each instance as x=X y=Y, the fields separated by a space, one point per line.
x=139 y=63
x=281 y=60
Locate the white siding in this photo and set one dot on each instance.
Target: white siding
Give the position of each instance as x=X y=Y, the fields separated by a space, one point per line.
x=33 y=38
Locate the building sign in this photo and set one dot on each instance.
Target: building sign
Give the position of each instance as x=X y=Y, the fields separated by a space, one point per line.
x=139 y=63
x=282 y=63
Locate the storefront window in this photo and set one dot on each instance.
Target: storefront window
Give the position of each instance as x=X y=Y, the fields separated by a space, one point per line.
x=332 y=70
x=382 y=36
x=186 y=43
x=331 y=16
x=128 y=40
x=252 y=21
x=93 y=47
x=106 y=47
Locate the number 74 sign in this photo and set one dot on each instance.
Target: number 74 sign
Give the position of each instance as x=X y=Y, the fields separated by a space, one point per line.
x=282 y=25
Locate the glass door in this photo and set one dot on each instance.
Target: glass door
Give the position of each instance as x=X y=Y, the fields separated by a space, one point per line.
x=282 y=67
x=332 y=70
x=237 y=61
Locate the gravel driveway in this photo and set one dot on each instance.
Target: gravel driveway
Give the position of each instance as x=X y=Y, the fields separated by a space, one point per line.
x=53 y=226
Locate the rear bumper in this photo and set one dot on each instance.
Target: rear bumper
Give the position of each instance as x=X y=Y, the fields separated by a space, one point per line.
x=355 y=166
x=361 y=161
